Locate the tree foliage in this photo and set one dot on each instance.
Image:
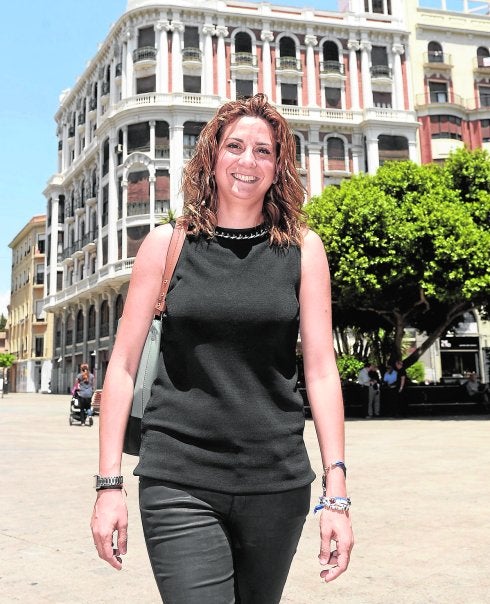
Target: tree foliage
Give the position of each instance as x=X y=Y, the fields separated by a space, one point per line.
x=6 y=361
x=408 y=246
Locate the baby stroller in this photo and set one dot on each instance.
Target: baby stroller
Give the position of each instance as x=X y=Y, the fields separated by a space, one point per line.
x=78 y=415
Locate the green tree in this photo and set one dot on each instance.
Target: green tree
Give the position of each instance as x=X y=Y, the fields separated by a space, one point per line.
x=3 y=322
x=405 y=249
x=6 y=361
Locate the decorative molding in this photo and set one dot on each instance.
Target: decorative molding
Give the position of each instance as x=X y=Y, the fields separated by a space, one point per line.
x=311 y=40
x=221 y=31
x=266 y=36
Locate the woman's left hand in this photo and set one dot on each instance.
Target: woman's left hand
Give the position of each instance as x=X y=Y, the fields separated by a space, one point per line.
x=335 y=526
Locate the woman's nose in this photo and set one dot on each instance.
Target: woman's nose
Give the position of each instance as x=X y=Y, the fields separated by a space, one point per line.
x=248 y=157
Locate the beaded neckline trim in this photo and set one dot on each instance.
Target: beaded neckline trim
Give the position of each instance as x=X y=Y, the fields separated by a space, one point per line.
x=253 y=233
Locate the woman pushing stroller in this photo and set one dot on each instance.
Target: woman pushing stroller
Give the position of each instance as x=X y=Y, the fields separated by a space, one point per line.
x=83 y=390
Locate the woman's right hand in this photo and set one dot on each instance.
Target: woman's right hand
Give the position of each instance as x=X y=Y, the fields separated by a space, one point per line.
x=110 y=515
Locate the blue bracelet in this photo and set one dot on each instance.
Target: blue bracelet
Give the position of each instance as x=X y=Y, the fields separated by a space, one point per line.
x=341 y=504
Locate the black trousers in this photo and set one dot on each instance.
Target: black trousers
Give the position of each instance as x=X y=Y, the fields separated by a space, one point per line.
x=215 y=548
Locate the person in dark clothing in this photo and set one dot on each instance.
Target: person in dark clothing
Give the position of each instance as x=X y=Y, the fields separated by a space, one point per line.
x=401 y=384
x=224 y=473
x=85 y=384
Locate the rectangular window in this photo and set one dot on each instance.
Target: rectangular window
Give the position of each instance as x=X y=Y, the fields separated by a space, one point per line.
x=382 y=99
x=191 y=37
x=192 y=84
x=39 y=274
x=485 y=130
x=438 y=92
x=41 y=243
x=146 y=37
x=445 y=126
x=289 y=94
x=40 y=315
x=145 y=85
x=333 y=98
x=484 y=92
x=39 y=346
x=59 y=281
x=244 y=89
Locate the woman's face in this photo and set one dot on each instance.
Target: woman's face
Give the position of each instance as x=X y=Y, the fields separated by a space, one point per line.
x=246 y=163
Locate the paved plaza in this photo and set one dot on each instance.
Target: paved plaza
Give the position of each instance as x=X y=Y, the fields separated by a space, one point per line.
x=421 y=514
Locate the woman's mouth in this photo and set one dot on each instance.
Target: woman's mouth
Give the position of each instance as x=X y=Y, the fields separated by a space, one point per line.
x=244 y=177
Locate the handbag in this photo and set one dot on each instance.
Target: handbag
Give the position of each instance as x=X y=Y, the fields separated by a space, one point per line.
x=148 y=364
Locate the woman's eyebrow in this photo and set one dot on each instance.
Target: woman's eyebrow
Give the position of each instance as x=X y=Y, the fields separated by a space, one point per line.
x=240 y=140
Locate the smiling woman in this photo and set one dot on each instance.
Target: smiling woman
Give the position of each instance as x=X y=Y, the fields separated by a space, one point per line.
x=224 y=473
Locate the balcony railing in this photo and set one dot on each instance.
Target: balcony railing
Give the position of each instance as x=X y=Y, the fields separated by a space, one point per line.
x=440 y=97
x=288 y=63
x=145 y=53
x=162 y=152
x=380 y=71
x=438 y=57
x=245 y=59
x=332 y=67
x=191 y=54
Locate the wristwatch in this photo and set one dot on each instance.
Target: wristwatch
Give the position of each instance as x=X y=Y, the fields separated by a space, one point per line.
x=108 y=482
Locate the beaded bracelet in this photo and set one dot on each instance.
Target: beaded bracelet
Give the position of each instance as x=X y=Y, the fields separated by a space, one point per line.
x=341 y=504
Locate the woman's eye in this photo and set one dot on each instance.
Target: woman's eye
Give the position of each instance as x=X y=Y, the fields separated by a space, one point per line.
x=264 y=151
x=232 y=146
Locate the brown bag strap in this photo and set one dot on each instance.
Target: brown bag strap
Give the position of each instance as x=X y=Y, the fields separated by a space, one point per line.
x=173 y=253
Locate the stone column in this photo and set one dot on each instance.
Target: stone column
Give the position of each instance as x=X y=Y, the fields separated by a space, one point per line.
x=176 y=164
x=267 y=37
x=221 y=33
x=413 y=150
x=124 y=241
x=372 y=154
x=161 y=29
x=353 y=46
x=367 y=92
x=398 y=50
x=112 y=207
x=357 y=153
x=315 y=172
x=152 y=182
x=208 y=30
x=177 y=74
x=129 y=63
x=311 y=79
x=152 y=124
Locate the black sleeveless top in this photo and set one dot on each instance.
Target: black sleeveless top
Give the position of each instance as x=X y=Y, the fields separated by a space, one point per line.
x=225 y=413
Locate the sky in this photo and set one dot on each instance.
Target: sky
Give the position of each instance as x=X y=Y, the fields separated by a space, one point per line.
x=45 y=45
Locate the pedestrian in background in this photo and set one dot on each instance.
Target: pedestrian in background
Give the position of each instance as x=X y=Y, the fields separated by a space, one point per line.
x=369 y=378
x=84 y=389
x=224 y=473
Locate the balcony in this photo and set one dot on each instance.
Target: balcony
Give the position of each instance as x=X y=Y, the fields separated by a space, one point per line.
x=192 y=58
x=105 y=89
x=381 y=72
x=437 y=59
x=244 y=62
x=288 y=65
x=439 y=98
x=71 y=131
x=144 y=57
x=81 y=119
x=89 y=241
x=162 y=152
x=92 y=104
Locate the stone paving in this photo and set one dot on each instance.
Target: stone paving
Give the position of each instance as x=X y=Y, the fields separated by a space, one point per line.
x=420 y=491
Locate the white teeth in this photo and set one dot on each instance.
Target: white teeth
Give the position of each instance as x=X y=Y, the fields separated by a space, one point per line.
x=245 y=178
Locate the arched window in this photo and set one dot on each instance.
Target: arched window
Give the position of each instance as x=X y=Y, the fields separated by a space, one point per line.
x=287 y=53
x=118 y=311
x=297 y=140
x=69 y=331
x=243 y=42
x=331 y=62
x=483 y=57
x=91 y=323
x=104 y=319
x=335 y=153
x=79 y=334
x=434 y=52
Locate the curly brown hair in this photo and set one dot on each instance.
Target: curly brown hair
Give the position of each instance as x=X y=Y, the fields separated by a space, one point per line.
x=283 y=202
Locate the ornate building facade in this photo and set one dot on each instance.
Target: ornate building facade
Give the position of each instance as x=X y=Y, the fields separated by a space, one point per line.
x=450 y=52
x=130 y=122
x=29 y=327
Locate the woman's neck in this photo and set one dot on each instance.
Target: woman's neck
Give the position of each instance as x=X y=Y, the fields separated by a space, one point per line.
x=239 y=218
